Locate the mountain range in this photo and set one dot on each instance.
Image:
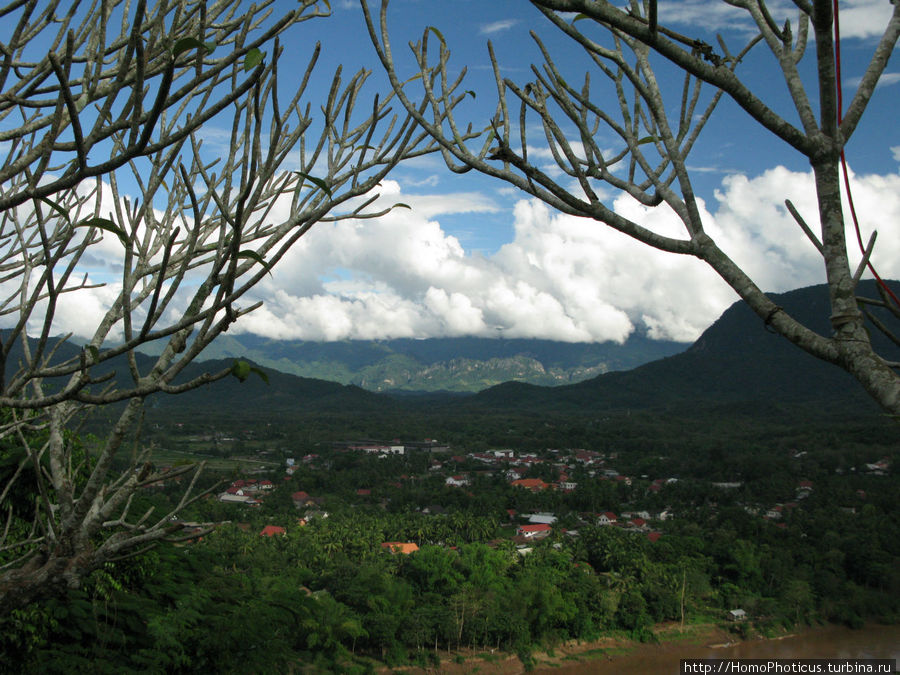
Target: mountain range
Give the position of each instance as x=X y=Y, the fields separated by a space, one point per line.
x=735 y=364
x=465 y=364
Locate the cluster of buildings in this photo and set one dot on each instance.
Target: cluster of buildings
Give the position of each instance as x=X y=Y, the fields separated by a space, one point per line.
x=250 y=492
x=516 y=468
x=541 y=525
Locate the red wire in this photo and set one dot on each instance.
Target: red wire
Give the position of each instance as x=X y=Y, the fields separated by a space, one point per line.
x=840 y=107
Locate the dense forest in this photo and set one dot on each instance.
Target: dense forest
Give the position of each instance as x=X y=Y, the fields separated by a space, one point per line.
x=323 y=593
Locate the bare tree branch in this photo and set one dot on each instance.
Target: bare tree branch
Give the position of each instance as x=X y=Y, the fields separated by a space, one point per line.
x=111 y=165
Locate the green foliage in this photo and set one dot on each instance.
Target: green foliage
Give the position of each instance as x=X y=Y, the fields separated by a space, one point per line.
x=242 y=370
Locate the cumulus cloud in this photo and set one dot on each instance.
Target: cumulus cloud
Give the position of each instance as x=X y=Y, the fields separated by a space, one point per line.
x=558 y=277
x=864 y=18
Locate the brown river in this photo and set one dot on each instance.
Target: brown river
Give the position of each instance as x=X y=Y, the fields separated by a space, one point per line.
x=881 y=642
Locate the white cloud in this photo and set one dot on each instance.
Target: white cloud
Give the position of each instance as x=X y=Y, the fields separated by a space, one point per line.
x=886 y=80
x=428 y=181
x=864 y=18
x=497 y=26
x=858 y=18
x=712 y=16
x=559 y=277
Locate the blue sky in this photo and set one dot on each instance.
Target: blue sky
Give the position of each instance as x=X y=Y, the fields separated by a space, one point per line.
x=475 y=257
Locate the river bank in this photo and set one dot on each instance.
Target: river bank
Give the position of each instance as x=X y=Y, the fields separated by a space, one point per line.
x=622 y=656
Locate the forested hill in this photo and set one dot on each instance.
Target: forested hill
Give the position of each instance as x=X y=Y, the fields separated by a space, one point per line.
x=735 y=362
x=467 y=364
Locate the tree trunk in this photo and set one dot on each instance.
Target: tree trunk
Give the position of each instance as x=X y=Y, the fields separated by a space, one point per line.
x=854 y=347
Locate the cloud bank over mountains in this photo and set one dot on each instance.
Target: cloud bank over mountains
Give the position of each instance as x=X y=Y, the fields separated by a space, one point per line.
x=557 y=277
x=560 y=278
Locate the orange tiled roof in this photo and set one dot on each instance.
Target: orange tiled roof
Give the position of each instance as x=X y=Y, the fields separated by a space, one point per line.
x=401 y=547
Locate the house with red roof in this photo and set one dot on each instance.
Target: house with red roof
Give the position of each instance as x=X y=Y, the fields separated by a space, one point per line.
x=535 y=531
x=533 y=484
x=272 y=530
x=607 y=518
x=301 y=498
x=586 y=457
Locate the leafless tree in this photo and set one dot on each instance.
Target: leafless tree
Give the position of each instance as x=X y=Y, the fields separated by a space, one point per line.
x=626 y=47
x=106 y=116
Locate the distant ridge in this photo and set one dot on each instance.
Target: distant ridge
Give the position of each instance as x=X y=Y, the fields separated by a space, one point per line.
x=735 y=362
x=279 y=394
x=736 y=365
x=465 y=364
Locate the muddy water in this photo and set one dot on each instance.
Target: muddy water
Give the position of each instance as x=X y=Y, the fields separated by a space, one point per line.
x=881 y=642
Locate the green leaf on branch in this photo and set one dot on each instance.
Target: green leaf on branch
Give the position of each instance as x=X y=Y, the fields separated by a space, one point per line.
x=579 y=17
x=401 y=205
x=439 y=35
x=647 y=139
x=187 y=43
x=242 y=370
x=56 y=207
x=318 y=182
x=253 y=58
x=414 y=77
x=253 y=255
x=106 y=225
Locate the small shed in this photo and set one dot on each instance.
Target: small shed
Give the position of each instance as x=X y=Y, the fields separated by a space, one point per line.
x=737 y=615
